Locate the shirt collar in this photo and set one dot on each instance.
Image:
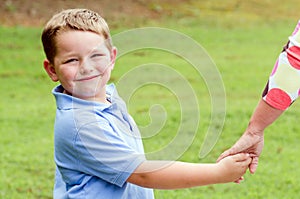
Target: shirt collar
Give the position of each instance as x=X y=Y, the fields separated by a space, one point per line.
x=64 y=101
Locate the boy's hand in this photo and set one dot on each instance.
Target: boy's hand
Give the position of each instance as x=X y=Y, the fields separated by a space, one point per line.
x=249 y=142
x=232 y=168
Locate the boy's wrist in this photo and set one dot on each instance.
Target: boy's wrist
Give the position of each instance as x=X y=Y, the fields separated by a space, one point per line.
x=218 y=173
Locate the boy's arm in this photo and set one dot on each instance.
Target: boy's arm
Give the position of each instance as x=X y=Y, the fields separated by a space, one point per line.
x=176 y=175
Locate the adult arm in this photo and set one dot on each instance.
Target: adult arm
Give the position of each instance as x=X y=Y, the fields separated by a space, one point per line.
x=281 y=91
x=252 y=141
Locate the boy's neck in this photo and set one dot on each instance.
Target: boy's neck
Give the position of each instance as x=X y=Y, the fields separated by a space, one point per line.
x=101 y=98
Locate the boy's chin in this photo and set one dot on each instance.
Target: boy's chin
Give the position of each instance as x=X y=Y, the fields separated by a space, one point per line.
x=87 y=94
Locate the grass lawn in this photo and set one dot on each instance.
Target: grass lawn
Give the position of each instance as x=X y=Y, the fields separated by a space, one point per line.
x=244 y=52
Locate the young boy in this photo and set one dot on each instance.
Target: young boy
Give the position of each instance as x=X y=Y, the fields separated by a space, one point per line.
x=98 y=150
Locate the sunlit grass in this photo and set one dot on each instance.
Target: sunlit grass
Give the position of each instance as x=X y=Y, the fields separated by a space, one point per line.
x=244 y=54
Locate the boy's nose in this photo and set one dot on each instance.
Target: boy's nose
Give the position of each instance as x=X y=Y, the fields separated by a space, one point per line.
x=86 y=67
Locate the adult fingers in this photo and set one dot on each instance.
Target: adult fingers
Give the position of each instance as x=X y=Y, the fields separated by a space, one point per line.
x=253 y=165
x=238 y=181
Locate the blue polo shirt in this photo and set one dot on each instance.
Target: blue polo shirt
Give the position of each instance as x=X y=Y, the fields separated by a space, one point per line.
x=97 y=147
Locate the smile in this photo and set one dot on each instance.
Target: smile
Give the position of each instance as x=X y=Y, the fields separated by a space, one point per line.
x=87 y=78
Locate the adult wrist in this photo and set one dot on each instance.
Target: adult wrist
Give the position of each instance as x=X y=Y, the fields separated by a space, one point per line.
x=255 y=130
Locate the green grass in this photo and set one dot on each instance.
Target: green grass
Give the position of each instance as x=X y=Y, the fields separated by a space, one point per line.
x=244 y=53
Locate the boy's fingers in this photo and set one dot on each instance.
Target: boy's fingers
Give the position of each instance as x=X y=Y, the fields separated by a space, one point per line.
x=249 y=160
x=241 y=157
x=223 y=155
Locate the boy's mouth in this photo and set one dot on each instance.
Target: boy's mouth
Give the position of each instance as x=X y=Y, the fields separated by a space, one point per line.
x=87 y=78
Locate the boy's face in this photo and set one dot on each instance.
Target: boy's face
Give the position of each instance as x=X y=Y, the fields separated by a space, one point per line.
x=82 y=65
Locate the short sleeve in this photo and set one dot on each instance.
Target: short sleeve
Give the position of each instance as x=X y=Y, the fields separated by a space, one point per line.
x=283 y=86
x=105 y=153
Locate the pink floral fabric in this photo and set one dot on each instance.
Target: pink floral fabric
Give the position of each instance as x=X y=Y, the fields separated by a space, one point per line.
x=283 y=87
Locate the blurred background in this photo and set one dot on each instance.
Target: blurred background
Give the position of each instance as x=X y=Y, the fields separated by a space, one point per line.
x=242 y=37
x=130 y=13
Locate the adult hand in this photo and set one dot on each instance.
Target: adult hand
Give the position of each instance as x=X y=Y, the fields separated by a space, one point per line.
x=252 y=141
x=248 y=143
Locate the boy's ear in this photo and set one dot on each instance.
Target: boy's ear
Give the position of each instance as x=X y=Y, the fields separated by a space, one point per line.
x=49 y=68
x=113 y=56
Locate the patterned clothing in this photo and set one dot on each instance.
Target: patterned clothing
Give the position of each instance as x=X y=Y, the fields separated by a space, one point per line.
x=283 y=87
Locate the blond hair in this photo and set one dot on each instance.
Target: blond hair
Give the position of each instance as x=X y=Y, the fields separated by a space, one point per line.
x=73 y=19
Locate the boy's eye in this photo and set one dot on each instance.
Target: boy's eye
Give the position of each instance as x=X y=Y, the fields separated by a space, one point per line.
x=97 y=55
x=70 y=60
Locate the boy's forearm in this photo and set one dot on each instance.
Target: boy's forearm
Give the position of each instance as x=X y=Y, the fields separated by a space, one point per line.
x=174 y=175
